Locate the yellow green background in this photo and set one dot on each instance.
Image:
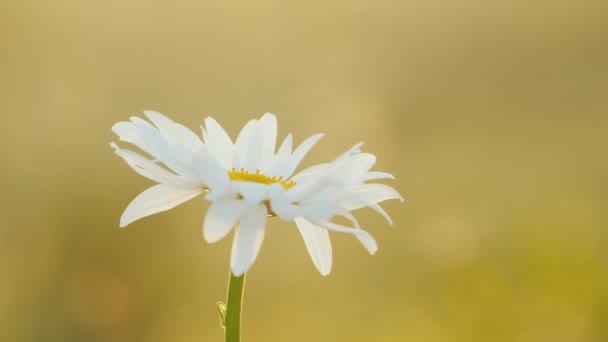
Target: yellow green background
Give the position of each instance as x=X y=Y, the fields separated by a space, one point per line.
x=493 y=115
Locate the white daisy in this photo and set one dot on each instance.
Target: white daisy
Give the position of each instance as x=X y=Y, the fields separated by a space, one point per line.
x=247 y=182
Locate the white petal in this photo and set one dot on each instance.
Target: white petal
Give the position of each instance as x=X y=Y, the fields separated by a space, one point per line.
x=318 y=244
x=353 y=150
x=268 y=124
x=253 y=192
x=241 y=146
x=286 y=210
x=219 y=143
x=299 y=154
x=364 y=237
x=313 y=171
x=363 y=195
x=381 y=211
x=230 y=191
x=248 y=239
x=221 y=218
x=322 y=209
x=150 y=140
x=310 y=187
x=282 y=160
x=281 y=205
x=127 y=131
x=150 y=169
x=284 y=150
x=375 y=175
x=368 y=242
x=124 y=154
x=141 y=121
x=209 y=170
x=144 y=136
x=158 y=198
x=354 y=167
x=251 y=157
x=174 y=133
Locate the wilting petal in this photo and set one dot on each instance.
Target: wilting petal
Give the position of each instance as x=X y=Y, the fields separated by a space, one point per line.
x=318 y=244
x=158 y=198
x=248 y=238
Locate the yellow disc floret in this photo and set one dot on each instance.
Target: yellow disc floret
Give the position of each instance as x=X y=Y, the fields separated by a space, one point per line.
x=257 y=177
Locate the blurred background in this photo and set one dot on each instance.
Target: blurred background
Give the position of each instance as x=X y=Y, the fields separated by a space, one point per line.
x=492 y=115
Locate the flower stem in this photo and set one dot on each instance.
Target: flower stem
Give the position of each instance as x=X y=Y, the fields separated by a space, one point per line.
x=233 y=308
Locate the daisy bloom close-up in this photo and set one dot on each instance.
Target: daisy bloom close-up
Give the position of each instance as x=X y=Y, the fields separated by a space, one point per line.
x=248 y=181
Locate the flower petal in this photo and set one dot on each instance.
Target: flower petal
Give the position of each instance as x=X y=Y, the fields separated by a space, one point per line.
x=128 y=132
x=353 y=150
x=150 y=140
x=242 y=143
x=284 y=151
x=321 y=209
x=219 y=143
x=354 y=167
x=318 y=244
x=144 y=136
x=282 y=159
x=221 y=218
x=286 y=166
x=376 y=175
x=286 y=210
x=150 y=169
x=252 y=158
x=280 y=204
x=364 y=237
x=381 y=211
x=315 y=170
x=248 y=238
x=268 y=125
x=174 y=133
x=363 y=195
x=253 y=192
x=310 y=187
x=209 y=170
x=158 y=198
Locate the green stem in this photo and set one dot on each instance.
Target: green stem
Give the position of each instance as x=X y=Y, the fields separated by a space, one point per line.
x=233 y=308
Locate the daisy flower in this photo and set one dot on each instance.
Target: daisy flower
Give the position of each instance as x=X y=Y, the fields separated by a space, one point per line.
x=248 y=181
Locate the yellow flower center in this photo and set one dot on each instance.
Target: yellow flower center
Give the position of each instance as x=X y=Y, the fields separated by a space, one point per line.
x=257 y=177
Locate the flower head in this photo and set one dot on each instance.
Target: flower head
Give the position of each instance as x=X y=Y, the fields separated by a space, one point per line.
x=248 y=182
